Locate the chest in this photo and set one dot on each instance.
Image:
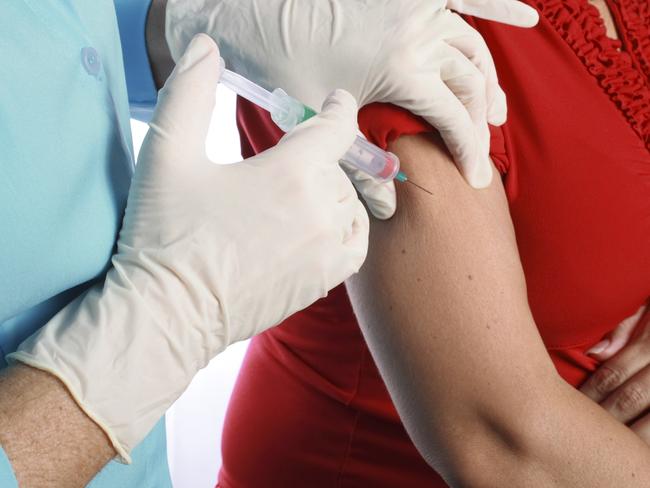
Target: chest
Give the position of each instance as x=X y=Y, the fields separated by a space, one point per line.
x=577 y=139
x=606 y=15
x=65 y=164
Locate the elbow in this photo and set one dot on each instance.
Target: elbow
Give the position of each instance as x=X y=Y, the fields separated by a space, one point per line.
x=489 y=460
x=493 y=447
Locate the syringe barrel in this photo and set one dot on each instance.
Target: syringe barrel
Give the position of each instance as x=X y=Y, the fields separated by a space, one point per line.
x=370 y=159
x=287 y=112
x=251 y=92
x=362 y=155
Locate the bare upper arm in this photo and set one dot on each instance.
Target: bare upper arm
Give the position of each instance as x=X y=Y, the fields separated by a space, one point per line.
x=442 y=300
x=442 y=304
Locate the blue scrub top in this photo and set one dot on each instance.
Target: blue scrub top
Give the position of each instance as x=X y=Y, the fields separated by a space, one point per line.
x=66 y=160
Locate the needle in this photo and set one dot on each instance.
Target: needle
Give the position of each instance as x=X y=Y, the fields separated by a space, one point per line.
x=418 y=186
x=401 y=177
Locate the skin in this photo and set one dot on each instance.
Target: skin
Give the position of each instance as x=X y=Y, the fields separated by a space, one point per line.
x=621 y=385
x=442 y=304
x=607 y=17
x=48 y=439
x=52 y=443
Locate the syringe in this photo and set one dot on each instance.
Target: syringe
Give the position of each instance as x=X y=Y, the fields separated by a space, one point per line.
x=287 y=112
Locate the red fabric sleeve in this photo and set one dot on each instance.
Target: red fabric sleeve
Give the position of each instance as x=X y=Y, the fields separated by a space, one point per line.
x=383 y=123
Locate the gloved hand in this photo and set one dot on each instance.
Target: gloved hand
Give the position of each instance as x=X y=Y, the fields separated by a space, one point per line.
x=413 y=53
x=511 y=12
x=207 y=255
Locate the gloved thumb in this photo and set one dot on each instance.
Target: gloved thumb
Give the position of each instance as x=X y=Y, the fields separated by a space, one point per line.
x=512 y=12
x=327 y=136
x=380 y=196
x=186 y=102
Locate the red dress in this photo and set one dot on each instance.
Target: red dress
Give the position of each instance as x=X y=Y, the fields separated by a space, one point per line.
x=309 y=408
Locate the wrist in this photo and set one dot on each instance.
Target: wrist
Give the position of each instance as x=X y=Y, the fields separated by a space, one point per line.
x=160 y=57
x=33 y=408
x=138 y=353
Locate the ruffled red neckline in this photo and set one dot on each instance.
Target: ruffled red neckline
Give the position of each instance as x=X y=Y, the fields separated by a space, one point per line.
x=624 y=74
x=635 y=15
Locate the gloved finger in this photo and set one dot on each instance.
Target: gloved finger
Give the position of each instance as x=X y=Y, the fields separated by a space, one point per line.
x=510 y=12
x=345 y=215
x=326 y=137
x=335 y=183
x=379 y=195
x=452 y=120
x=354 y=243
x=474 y=48
x=467 y=83
x=186 y=102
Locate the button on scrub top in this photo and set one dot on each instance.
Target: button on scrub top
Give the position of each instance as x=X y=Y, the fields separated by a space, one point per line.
x=65 y=166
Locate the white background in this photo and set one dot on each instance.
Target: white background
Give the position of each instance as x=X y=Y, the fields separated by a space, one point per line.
x=195 y=421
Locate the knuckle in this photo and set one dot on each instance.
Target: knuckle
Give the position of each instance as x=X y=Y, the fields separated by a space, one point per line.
x=470 y=89
x=477 y=83
x=633 y=398
x=606 y=379
x=472 y=43
x=308 y=197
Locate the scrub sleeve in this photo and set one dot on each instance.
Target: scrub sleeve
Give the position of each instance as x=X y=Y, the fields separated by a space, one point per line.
x=7 y=476
x=98 y=113
x=132 y=22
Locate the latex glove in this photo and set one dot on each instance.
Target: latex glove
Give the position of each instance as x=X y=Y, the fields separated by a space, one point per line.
x=207 y=255
x=621 y=384
x=511 y=12
x=413 y=53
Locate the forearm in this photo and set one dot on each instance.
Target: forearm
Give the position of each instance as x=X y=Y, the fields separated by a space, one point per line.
x=161 y=60
x=47 y=437
x=442 y=304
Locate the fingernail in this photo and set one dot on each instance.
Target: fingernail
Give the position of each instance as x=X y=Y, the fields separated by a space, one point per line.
x=200 y=47
x=600 y=347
